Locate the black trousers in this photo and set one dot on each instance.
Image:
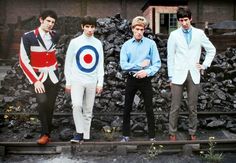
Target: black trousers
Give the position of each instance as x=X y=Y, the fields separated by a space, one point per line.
x=46 y=104
x=132 y=86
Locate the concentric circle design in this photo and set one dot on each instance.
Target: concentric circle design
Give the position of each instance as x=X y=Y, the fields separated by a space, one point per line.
x=87 y=58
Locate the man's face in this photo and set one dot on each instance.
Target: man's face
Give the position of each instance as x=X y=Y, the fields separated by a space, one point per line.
x=88 y=29
x=138 y=32
x=47 y=24
x=185 y=22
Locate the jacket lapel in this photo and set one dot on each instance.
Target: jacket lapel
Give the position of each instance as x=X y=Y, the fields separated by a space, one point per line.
x=182 y=38
x=39 y=38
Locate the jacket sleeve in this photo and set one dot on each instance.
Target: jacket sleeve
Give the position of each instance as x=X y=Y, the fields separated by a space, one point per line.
x=209 y=48
x=25 y=61
x=170 y=55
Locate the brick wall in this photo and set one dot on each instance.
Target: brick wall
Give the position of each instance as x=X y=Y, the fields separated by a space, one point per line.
x=212 y=11
x=24 y=9
x=13 y=11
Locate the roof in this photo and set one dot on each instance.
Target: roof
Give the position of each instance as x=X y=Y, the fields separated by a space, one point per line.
x=164 y=3
x=227 y=24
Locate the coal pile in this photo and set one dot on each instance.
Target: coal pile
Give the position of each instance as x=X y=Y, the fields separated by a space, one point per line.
x=218 y=91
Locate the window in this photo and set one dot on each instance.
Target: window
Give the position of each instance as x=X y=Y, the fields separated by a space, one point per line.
x=172 y=21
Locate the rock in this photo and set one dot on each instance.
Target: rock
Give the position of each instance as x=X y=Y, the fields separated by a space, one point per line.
x=216 y=123
x=28 y=136
x=66 y=134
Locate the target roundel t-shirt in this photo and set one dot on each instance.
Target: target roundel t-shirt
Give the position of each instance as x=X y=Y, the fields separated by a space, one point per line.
x=84 y=60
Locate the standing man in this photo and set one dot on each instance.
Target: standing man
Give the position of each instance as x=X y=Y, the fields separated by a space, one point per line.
x=184 y=50
x=84 y=74
x=140 y=58
x=38 y=61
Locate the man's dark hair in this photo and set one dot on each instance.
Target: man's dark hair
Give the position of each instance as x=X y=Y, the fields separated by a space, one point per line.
x=49 y=13
x=89 y=20
x=184 y=12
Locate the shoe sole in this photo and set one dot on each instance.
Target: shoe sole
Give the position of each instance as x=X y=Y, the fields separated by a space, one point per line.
x=76 y=141
x=43 y=143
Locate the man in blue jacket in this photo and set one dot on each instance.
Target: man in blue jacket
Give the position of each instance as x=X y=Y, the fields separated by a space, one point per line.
x=184 y=49
x=140 y=58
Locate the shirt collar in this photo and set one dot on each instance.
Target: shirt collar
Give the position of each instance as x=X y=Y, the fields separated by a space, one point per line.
x=187 y=30
x=86 y=37
x=134 y=40
x=43 y=33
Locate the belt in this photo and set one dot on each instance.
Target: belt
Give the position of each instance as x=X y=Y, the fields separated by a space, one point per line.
x=131 y=74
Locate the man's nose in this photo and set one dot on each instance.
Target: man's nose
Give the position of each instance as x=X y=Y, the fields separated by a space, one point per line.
x=51 y=23
x=184 y=22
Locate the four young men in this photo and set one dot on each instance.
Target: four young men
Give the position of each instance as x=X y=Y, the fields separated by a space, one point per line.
x=139 y=57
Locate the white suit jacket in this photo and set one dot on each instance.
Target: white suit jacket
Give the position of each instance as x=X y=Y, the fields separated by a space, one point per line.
x=183 y=57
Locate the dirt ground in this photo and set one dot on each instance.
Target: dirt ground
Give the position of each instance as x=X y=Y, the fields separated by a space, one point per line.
x=130 y=158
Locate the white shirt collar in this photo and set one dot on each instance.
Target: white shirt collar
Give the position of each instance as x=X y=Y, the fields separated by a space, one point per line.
x=43 y=34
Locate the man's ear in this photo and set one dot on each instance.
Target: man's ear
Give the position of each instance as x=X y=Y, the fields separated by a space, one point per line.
x=190 y=19
x=40 y=19
x=132 y=28
x=82 y=26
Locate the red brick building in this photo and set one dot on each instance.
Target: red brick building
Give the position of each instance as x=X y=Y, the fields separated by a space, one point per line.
x=160 y=13
x=162 y=17
x=212 y=11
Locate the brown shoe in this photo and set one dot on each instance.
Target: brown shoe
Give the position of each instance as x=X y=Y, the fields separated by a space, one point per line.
x=193 y=137
x=44 y=139
x=172 y=138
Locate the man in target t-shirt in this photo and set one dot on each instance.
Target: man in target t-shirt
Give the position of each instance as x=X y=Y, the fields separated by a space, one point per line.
x=84 y=73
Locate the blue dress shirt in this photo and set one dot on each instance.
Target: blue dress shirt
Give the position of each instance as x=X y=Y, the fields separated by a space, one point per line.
x=134 y=52
x=188 y=35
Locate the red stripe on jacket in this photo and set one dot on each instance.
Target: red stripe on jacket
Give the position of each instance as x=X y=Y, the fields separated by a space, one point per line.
x=26 y=71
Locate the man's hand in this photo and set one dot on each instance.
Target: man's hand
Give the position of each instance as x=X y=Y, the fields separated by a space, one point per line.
x=99 y=90
x=67 y=88
x=39 y=87
x=145 y=63
x=201 y=68
x=141 y=74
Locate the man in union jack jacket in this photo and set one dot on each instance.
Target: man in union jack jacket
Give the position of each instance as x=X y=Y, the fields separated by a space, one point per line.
x=38 y=61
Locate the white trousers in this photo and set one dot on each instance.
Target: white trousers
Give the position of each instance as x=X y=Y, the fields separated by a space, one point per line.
x=83 y=96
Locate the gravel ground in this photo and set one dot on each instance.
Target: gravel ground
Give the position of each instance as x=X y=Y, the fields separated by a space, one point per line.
x=130 y=158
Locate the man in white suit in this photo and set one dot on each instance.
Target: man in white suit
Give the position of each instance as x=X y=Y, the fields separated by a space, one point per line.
x=184 y=49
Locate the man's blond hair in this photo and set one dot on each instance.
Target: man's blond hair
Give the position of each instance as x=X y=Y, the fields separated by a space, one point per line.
x=139 y=20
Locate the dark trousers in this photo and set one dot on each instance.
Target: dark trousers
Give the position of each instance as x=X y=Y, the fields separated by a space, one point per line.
x=177 y=94
x=145 y=87
x=46 y=104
